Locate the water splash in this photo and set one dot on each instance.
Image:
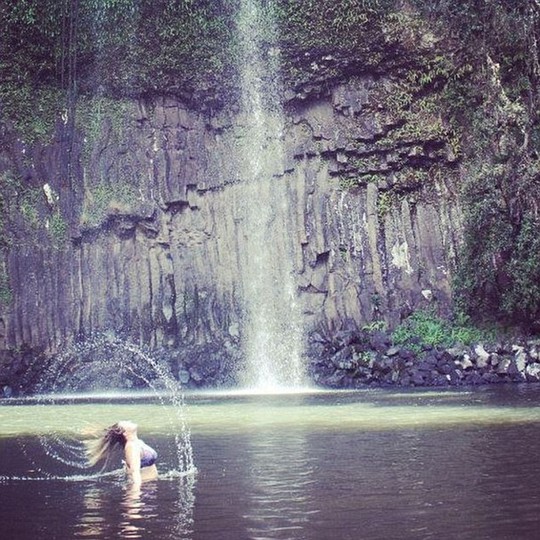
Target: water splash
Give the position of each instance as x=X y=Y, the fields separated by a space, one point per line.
x=113 y=368
x=273 y=334
x=117 y=474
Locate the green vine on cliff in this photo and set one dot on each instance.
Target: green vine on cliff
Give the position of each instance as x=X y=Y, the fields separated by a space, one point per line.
x=26 y=216
x=101 y=119
x=58 y=230
x=6 y=293
x=385 y=201
x=106 y=199
x=500 y=265
x=31 y=111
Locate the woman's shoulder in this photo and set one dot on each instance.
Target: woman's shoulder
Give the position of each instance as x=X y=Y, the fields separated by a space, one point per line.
x=131 y=445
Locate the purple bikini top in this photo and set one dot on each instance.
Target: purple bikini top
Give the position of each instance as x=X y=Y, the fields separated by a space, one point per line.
x=148 y=455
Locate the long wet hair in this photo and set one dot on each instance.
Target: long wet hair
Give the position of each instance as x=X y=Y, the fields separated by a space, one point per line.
x=108 y=440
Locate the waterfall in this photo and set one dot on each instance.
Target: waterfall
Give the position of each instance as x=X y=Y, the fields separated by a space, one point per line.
x=272 y=331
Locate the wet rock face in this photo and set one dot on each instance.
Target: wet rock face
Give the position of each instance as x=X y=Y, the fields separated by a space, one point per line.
x=152 y=237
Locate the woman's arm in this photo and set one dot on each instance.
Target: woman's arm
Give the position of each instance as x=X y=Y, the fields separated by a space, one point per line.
x=132 y=453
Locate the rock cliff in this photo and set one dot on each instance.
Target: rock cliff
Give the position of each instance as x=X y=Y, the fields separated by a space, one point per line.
x=153 y=252
x=129 y=219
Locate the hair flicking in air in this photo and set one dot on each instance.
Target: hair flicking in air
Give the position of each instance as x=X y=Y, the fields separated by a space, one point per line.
x=101 y=448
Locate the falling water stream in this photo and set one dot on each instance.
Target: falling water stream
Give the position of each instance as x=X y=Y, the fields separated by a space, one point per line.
x=272 y=328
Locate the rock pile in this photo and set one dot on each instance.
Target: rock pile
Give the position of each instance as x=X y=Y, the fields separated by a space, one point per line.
x=354 y=359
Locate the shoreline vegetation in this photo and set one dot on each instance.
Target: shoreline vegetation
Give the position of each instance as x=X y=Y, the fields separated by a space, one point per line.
x=422 y=351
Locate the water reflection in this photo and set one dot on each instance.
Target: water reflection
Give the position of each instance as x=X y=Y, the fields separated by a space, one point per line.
x=93 y=504
x=93 y=523
x=282 y=475
x=162 y=509
x=137 y=504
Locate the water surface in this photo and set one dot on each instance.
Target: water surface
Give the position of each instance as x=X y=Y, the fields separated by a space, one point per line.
x=371 y=464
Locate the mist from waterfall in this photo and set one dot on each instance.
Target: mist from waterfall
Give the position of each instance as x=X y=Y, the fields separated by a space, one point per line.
x=272 y=331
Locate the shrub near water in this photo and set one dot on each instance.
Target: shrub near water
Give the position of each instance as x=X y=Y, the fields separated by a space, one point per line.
x=424 y=329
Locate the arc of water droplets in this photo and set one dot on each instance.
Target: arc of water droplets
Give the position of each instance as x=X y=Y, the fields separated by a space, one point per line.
x=67 y=376
x=182 y=439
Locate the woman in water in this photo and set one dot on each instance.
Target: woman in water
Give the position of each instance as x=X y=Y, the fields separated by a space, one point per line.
x=139 y=458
